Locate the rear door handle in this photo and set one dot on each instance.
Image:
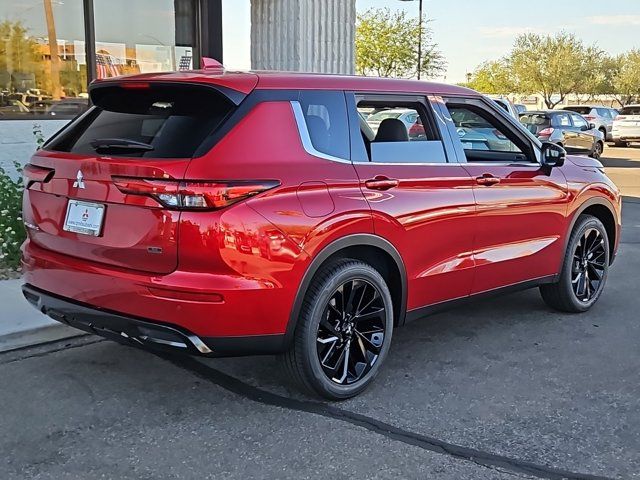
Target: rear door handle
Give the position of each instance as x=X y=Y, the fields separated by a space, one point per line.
x=381 y=182
x=487 y=179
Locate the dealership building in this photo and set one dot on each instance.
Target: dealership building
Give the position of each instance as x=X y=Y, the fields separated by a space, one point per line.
x=50 y=50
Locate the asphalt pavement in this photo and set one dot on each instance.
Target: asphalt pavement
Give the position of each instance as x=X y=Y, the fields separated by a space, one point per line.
x=500 y=388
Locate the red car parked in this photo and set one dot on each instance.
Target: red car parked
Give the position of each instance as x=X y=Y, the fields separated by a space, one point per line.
x=242 y=213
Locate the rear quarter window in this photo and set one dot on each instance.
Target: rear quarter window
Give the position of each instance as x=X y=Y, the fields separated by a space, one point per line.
x=161 y=121
x=630 y=111
x=325 y=113
x=580 y=110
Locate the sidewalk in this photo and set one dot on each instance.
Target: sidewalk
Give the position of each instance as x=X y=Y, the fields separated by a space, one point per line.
x=21 y=324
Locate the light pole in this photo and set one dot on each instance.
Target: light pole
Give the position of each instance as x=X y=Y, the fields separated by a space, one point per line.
x=419 y=34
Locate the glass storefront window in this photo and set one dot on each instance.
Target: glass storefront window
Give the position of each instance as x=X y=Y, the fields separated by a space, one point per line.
x=43 y=63
x=40 y=70
x=143 y=36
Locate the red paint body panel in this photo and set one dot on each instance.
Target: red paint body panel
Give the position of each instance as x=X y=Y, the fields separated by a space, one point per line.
x=520 y=225
x=430 y=218
x=236 y=271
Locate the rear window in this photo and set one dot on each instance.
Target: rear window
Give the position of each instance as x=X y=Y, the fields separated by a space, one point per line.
x=154 y=121
x=534 y=122
x=580 y=110
x=630 y=110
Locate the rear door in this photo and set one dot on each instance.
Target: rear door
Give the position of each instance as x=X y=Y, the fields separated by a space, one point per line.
x=421 y=200
x=581 y=128
x=520 y=206
x=79 y=199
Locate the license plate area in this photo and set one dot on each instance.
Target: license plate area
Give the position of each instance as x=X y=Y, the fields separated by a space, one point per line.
x=84 y=218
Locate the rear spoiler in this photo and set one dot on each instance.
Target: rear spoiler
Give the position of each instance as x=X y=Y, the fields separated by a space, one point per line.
x=236 y=97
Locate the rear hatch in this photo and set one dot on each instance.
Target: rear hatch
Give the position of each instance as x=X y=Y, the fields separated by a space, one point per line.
x=80 y=199
x=629 y=117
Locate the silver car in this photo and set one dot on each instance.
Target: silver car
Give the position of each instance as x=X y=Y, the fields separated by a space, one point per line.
x=626 y=126
x=506 y=105
x=601 y=117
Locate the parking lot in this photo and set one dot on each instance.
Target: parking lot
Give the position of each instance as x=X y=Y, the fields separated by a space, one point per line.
x=499 y=388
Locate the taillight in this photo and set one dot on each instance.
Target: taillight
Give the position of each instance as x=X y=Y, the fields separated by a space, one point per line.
x=546 y=132
x=620 y=117
x=34 y=174
x=193 y=194
x=135 y=85
x=589 y=117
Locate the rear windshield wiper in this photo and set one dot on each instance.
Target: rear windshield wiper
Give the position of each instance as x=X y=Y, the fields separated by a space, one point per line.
x=119 y=144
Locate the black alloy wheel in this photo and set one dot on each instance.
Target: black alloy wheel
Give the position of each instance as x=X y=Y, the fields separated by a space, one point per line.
x=589 y=265
x=351 y=332
x=343 y=333
x=585 y=268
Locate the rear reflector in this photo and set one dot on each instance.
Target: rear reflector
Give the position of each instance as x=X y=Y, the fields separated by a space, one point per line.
x=193 y=194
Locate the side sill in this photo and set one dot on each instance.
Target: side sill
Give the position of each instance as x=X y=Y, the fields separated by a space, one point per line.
x=422 y=312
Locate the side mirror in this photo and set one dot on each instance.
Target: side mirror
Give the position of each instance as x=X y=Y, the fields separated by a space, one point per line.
x=592 y=126
x=553 y=155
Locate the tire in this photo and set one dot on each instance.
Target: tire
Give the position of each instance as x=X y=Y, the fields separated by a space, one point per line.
x=620 y=144
x=581 y=282
x=603 y=131
x=598 y=148
x=320 y=322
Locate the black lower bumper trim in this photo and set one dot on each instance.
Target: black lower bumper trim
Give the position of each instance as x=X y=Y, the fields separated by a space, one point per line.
x=145 y=333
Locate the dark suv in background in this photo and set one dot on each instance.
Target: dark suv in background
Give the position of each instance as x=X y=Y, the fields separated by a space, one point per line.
x=567 y=129
x=601 y=117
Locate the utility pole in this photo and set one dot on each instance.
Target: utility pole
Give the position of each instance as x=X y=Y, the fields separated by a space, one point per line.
x=419 y=34
x=56 y=90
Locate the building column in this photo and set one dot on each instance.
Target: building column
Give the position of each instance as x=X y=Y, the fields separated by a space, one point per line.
x=303 y=35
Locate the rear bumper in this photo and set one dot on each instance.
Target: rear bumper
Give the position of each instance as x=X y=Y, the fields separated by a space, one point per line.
x=146 y=333
x=629 y=134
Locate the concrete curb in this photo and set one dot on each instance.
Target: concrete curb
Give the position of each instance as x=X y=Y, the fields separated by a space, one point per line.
x=21 y=325
x=37 y=336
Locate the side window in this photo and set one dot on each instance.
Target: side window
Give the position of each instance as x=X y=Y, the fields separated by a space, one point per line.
x=480 y=131
x=325 y=113
x=561 y=120
x=578 y=121
x=395 y=130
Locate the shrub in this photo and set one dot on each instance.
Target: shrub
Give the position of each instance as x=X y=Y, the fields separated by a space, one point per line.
x=12 y=232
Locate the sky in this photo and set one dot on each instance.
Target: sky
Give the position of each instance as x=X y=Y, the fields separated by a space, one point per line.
x=469 y=32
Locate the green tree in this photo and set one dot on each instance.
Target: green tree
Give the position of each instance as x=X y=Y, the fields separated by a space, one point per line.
x=626 y=77
x=493 y=77
x=19 y=52
x=553 y=66
x=387 y=46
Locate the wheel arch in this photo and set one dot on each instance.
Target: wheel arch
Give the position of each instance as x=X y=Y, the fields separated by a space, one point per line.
x=604 y=211
x=372 y=249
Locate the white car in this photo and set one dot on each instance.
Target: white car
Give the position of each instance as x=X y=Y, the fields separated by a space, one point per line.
x=626 y=126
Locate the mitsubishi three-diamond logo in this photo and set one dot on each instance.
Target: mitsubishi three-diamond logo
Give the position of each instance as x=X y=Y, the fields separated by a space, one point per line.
x=79 y=183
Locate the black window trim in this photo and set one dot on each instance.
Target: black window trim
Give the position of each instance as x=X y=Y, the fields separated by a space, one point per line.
x=360 y=156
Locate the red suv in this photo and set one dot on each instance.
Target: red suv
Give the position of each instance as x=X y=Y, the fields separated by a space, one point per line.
x=229 y=213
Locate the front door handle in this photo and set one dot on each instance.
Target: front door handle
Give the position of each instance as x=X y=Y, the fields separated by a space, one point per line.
x=487 y=179
x=380 y=182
